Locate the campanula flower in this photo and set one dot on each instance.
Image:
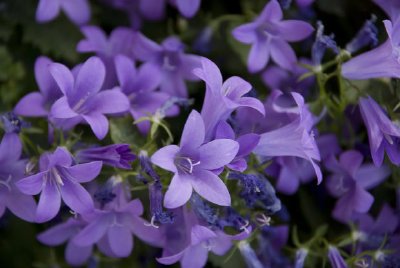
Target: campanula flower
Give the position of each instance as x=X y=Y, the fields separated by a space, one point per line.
x=350 y=181
x=192 y=163
x=39 y=103
x=383 y=134
x=155 y=9
x=321 y=44
x=83 y=101
x=383 y=61
x=335 y=258
x=301 y=255
x=119 y=42
x=170 y=66
x=269 y=36
x=367 y=35
x=59 y=179
x=115 y=155
x=11 y=123
x=12 y=169
x=77 y=11
x=222 y=98
x=391 y=8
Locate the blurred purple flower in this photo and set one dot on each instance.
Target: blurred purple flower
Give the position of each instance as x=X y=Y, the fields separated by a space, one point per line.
x=169 y=66
x=57 y=180
x=119 y=42
x=321 y=44
x=367 y=35
x=383 y=134
x=192 y=163
x=335 y=258
x=155 y=9
x=301 y=255
x=83 y=100
x=383 y=61
x=11 y=171
x=222 y=98
x=115 y=155
x=269 y=36
x=39 y=103
x=77 y=11
x=391 y=7
x=350 y=181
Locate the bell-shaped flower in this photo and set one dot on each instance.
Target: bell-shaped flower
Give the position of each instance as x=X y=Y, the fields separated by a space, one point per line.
x=12 y=169
x=269 y=36
x=383 y=134
x=169 y=65
x=383 y=61
x=77 y=11
x=335 y=258
x=391 y=8
x=59 y=179
x=349 y=183
x=222 y=98
x=83 y=100
x=139 y=86
x=192 y=163
x=37 y=104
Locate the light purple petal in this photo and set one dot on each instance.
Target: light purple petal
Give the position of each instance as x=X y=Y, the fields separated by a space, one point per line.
x=173 y=84
x=49 y=202
x=121 y=240
x=23 y=206
x=85 y=172
x=294 y=30
x=76 y=197
x=47 y=10
x=89 y=81
x=195 y=256
x=211 y=187
x=94 y=231
x=369 y=176
x=168 y=260
x=200 y=234
x=10 y=148
x=152 y=9
x=237 y=164
x=126 y=70
x=76 y=255
x=63 y=77
x=217 y=153
x=247 y=143
x=165 y=157
x=31 y=185
x=77 y=10
x=189 y=63
x=58 y=234
x=287 y=183
x=62 y=110
x=111 y=102
x=258 y=56
x=31 y=105
x=96 y=40
x=252 y=103
x=271 y=12
x=188 y=8
x=351 y=161
x=143 y=48
x=193 y=132
x=283 y=54
x=224 y=131
x=179 y=191
x=246 y=33
x=98 y=123
x=209 y=73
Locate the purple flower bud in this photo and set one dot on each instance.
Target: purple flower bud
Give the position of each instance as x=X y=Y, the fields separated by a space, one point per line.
x=301 y=255
x=146 y=166
x=12 y=123
x=249 y=255
x=156 y=208
x=322 y=42
x=204 y=211
x=115 y=155
x=367 y=35
x=335 y=258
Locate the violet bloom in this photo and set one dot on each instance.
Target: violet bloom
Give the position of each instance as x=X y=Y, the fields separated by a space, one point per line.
x=57 y=180
x=383 y=61
x=294 y=139
x=139 y=86
x=75 y=255
x=11 y=171
x=246 y=143
x=222 y=98
x=192 y=163
x=170 y=66
x=119 y=42
x=335 y=258
x=77 y=10
x=115 y=155
x=83 y=100
x=112 y=225
x=269 y=36
x=349 y=183
x=391 y=7
x=39 y=103
x=383 y=134
x=155 y=9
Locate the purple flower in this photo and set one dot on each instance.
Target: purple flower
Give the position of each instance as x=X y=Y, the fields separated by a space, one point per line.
x=74 y=254
x=222 y=98
x=39 y=103
x=12 y=123
x=57 y=180
x=139 y=86
x=335 y=258
x=383 y=134
x=350 y=181
x=367 y=35
x=269 y=36
x=155 y=9
x=391 y=7
x=383 y=61
x=192 y=163
x=246 y=143
x=301 y=255
x=169 y=65
x=249 y=255
x=112 y=227
x=83 y=100
x=115 y=155
x=119 y=42
x=11 y=171
x=321 y=43
x=293 y=139
x=77 y=10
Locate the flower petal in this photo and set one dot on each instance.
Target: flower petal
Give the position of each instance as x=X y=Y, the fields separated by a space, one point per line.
x=217 y=153
x=94 y=231
x=283 y=54
x=31 y=105
x=193 y=132
x=294 y=30
x=31 y=185
x=165 y=157
x=121 y=241
x=76 y=255
x=85 y=172
x=49 y=203
x=77 y=10
x=61 y=109
x=63 y=77
x=47 y=10
x=98 y=123
x=111 y=102
x=258 y=56
x=76 y=197
x=188 y=8
x=23 y=206
x=179 y=191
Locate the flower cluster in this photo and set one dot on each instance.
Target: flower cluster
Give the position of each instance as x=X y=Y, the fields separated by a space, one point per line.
x=254 y=166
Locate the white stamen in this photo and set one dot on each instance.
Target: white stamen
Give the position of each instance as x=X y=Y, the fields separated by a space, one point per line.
x=152 y=224
x=57 y=177
x=361 y=263
x=264 y=219
x=167 y=64
x=6 y=183
x=244 y=227
x=388 y=138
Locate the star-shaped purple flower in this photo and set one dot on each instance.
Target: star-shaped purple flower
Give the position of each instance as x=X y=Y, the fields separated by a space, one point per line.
x=77 y=10
x=59 y=179
x=269 y=36
x=192 y=163
x=83 y=100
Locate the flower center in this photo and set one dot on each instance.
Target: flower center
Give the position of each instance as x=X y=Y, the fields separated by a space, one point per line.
x=168 y=64
x=56 y=176
x=185 y=164
x=6 y=183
